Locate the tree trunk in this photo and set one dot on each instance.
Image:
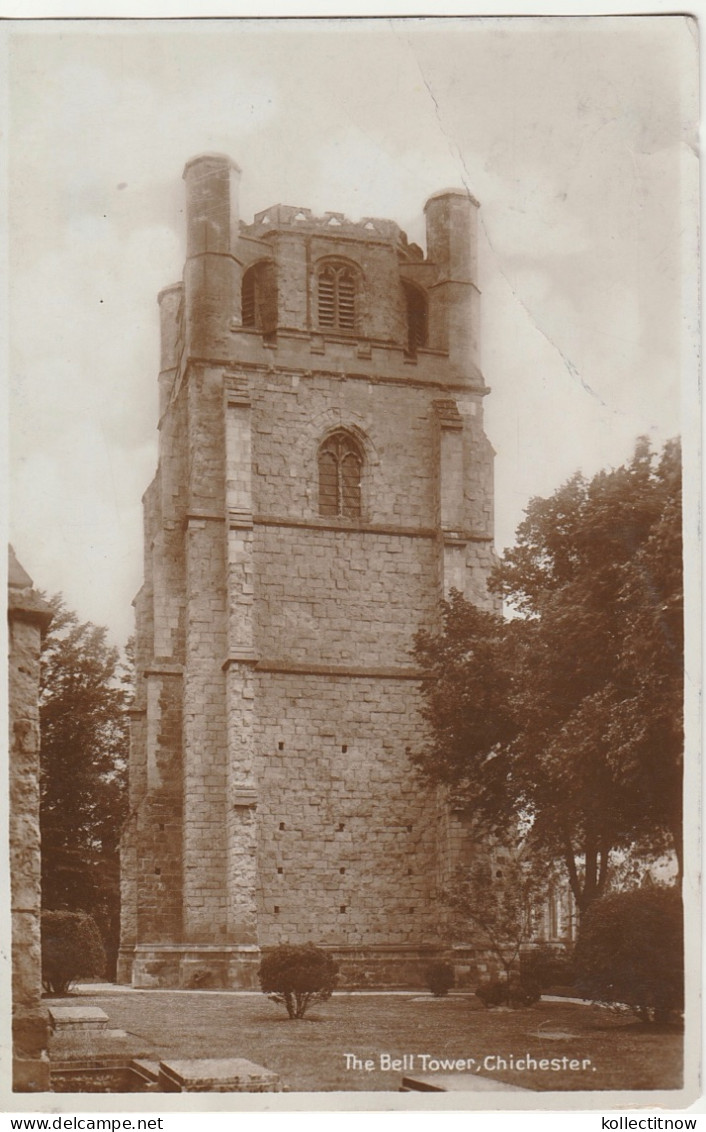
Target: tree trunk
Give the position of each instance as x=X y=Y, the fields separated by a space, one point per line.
x=596 y=870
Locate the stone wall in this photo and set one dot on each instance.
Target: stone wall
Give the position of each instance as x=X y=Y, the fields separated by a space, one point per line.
x=346 y=839
x=28 y=618
x=293 y=412
x=342 y=597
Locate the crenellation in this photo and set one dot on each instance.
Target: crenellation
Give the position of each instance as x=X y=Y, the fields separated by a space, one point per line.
x=370 y=229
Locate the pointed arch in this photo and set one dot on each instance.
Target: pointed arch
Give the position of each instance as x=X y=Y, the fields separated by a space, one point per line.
x=259 y=297
x=340 y=466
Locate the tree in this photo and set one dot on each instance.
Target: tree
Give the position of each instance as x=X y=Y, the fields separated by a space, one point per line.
x=298 y=975
x=568 y=715
x=498 y=896
x=84 y=693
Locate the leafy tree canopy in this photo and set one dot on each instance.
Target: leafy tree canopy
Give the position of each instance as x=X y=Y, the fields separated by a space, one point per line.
x=84 y=694
x=569 y=714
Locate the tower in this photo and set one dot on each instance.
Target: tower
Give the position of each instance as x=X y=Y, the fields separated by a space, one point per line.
x=323 y=480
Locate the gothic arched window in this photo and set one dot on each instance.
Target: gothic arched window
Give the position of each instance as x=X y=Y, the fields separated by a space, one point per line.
x=336 y=297
x=417 y=317
x=259 y=297
x=340 y=471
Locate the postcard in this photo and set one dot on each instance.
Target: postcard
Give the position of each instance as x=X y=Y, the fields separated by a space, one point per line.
x=354 y=436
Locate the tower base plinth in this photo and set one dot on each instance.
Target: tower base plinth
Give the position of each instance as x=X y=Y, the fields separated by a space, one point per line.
x=194 y=966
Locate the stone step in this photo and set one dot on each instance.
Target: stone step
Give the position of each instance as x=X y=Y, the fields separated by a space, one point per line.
x=216 y=1075
x=456 y=1083
x=78 y=1018
x=146 y=1067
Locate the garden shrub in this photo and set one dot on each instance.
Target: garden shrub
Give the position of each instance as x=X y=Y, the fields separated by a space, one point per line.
x=297 y=975
x=631 y=950
x=492 y=992
x=547 y=966
x=71 y=949
x=439 y=978
x=513 y=992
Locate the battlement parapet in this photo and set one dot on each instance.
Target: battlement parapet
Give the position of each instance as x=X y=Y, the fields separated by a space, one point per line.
x=279 y=216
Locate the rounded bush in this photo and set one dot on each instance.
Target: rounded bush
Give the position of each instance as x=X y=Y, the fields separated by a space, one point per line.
x=492 y=992
x=71 y=949
x=439 y=978
x=513 y=992
x=631 y=950
x=547 y=966
x=296 y=975
x=524 y=992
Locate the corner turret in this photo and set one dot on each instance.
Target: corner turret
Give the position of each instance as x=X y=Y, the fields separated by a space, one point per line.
x=452 y=241
x=212 y=275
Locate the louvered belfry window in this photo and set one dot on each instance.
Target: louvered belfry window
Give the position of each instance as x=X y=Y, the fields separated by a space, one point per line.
x=249 y=298
x=258 y=296
x=340 y=470
x=336 y=297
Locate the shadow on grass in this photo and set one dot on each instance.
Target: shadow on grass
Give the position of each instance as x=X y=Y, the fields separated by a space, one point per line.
x=292 y=1021
x=651 y=1028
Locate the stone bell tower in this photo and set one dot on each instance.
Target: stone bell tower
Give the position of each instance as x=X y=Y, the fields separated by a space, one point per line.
x=323 y=479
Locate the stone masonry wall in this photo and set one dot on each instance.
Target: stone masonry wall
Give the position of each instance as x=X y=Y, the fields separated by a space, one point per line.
x=342 y=597
x=28 y=616
x=205 y=766
x=346 y=840
x=293 y=412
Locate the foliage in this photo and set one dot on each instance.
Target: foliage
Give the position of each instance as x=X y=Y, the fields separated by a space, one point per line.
x=71 y=948
x=497 y=896
x=514 y=992
x=569 y=714
x=297 y=976
x=650 y=861
x=84 y=694
x=631 y=950
x=439 y=978
x=547 y=967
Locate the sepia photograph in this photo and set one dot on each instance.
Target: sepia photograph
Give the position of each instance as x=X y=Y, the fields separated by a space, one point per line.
x=352 y=373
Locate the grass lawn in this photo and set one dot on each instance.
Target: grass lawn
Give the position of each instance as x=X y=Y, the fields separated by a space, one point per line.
x=310 y=1054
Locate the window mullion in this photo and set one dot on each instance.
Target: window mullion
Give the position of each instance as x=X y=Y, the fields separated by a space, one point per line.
x=339 y=485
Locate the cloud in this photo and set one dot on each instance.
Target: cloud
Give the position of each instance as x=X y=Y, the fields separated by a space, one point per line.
x=567 y=131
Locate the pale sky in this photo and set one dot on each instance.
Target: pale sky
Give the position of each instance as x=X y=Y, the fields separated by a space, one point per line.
x=577 y=136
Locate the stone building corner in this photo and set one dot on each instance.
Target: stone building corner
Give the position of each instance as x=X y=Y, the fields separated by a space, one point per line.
x=28 y=619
